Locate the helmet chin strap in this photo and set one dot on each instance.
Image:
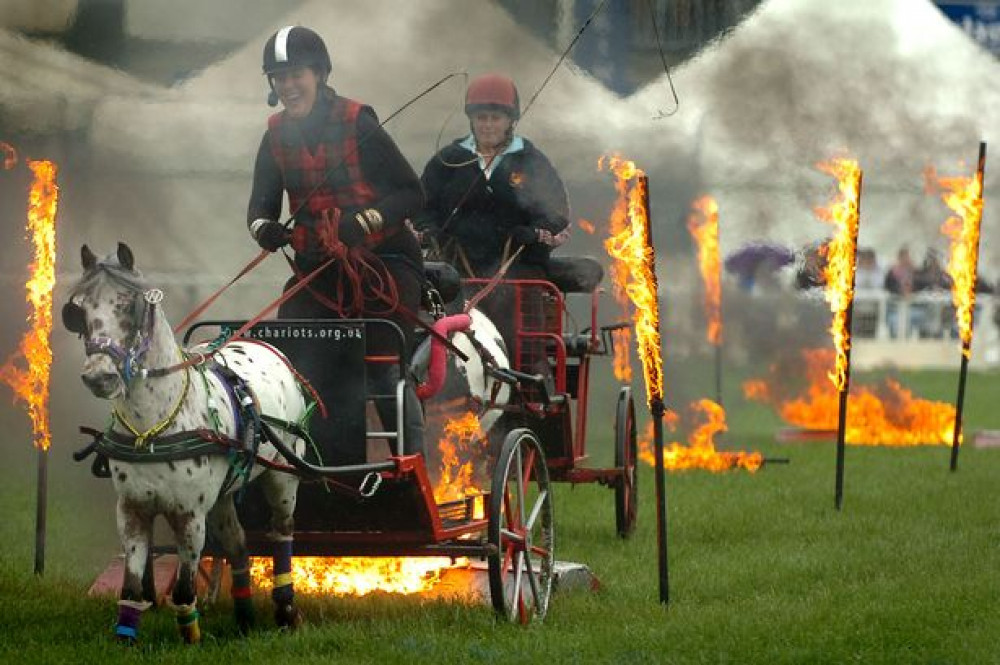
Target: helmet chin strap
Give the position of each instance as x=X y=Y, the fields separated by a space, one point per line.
x=272 y=98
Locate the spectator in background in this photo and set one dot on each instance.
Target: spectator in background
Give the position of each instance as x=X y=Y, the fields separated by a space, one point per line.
x=868 y=275
x=899 y=278
x=931 y=275
x=899 y=281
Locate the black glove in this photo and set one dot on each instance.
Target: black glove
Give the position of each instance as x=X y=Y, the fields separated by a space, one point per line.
x=350 y=231
x=272 y=236
x=524 y=235
x=357 y=225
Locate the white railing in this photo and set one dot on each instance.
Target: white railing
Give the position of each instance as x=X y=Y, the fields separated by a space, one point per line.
x=920 y=330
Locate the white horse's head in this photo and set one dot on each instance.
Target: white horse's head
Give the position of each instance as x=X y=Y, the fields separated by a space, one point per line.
x=111 y=309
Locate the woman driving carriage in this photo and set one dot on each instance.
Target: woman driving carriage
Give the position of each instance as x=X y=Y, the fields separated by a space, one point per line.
x=350 y=191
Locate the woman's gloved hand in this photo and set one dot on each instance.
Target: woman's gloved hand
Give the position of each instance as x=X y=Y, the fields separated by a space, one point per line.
x=271 y=235
x=524 y=235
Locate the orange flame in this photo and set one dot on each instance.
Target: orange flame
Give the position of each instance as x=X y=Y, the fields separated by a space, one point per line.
x=889 y=415
x=964 y=196
x=355 y=576
x=31 y=384
x=9 y=156
x=586 y=227
x=703 y=223
x=463 y=438
x=841 y=255
x=632 y=272
x=701 y=453
x=461 y=446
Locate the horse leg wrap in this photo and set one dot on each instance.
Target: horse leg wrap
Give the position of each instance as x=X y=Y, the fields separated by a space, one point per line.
x=187 y=622
x=283 y=593
x=242 y=599
x=129 y=615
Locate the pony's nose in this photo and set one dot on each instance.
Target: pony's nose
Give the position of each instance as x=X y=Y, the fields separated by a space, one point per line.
x=102 y=384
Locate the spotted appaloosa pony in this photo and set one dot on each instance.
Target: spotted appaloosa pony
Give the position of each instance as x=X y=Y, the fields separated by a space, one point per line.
x=132 y=360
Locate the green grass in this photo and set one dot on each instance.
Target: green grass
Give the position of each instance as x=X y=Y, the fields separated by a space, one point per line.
x=763 y=569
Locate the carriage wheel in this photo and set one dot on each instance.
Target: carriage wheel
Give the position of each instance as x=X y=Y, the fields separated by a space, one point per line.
x=626 y=451
x=520 y=530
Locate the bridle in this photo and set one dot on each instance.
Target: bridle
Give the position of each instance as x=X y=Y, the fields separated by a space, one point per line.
x=127 y=357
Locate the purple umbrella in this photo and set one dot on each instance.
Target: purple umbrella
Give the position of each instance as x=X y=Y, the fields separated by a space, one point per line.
x=747 y=259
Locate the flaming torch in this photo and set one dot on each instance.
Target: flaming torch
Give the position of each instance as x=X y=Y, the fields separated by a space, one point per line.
x=703 y=223
x=841 y=254
x=31 y=382
x=965 y=197
x=631 y=245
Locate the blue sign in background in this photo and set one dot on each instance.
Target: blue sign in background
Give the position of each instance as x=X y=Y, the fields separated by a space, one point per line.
x=980 y=20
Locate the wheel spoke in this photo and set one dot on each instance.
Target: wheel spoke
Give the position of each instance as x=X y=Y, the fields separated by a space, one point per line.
x=525 y=475
x=517 y=594
x=536 y=510
x=507 y=560
x=520 y=481
x=535 y=596
x=512 y=536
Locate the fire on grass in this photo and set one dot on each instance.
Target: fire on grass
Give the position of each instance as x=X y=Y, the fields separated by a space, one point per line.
x=27 y=370
x=887 y=415
x=461 y=448
x=701 y=452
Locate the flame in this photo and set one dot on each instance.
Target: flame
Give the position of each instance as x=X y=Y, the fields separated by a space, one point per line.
x=703 y=223
x=964 y=196
x=31 y=384
x=889 y=415
x=9 y=156
x=355 y=576
x=462 y=445
x=701 y=453
x=841 y=258
x=463 y=438
x=586 y=227
x=632 y=272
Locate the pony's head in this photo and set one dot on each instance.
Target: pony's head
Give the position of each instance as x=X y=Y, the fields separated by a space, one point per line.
x=111 y=309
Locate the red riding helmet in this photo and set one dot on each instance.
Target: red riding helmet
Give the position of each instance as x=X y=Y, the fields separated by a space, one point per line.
x=493 y=92
x=294 y=46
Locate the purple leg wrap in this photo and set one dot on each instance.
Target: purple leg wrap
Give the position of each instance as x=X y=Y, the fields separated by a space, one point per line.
x=128 y=622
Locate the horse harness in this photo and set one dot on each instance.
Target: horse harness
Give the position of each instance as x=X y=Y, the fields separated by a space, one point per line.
x=151 y=446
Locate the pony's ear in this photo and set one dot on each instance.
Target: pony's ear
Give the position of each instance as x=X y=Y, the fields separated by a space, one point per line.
x=125 y=258
x=88 y=258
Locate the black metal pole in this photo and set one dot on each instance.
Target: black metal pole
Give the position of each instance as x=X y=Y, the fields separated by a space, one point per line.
x=663 y=566
x=967 y=344
x=41 y=509
x=838 y=493
x=959 y=406
x=657 y=409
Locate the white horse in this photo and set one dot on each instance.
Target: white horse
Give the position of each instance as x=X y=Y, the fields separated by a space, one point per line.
x=159 y=392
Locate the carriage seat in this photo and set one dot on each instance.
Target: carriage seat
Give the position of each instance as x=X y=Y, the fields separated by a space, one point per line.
x=574 y=274
x=444 y=278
